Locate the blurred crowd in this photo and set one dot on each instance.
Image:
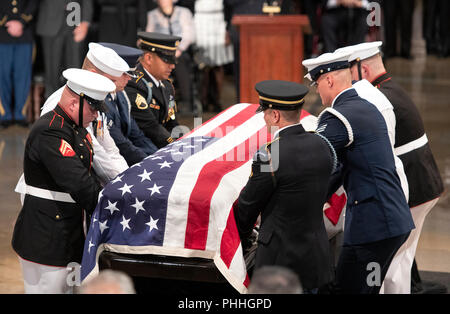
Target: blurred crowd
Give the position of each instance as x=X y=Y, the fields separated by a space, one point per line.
x=49 y=39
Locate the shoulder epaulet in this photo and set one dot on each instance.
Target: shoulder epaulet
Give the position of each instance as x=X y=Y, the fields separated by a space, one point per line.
x=56 y=121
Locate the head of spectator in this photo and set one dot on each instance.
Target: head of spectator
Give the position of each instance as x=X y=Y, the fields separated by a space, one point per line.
x=275 y=280
x=108 y=282
x=166 y=6
x=84 y=95
x=330 y=73
x=281 y=102
x=159 y=53
x=365 y=60
x=105 y=61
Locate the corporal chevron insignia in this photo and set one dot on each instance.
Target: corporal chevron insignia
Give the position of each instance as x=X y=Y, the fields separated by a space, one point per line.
x=65 y=149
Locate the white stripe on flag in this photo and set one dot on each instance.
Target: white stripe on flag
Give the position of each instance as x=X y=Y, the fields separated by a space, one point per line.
x=223 y=198
x=178 y=199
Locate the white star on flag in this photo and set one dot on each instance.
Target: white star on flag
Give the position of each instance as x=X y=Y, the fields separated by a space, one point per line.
x=152 y=223
x=119 y=178
x=124 y=223
x=103 y=226
x=138 y=205
x=165 y=164
x=112 y=207
x=156 y=157
x=90 y=245
x=155 y=189
x=145 y=175
x=126 y=189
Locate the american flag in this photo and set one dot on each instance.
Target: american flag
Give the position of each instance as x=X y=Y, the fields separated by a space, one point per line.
x=178 y=201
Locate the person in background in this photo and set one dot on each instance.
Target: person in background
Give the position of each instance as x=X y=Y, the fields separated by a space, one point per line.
x=61 y=41
x=174 y=20
x=397 y=18
x=274 y=280
x=247 y=7
x=48 y=234
x=120 y=20
x=108 y=281
x=343 y=23
x=215 y=45
x=437 y=27
x=16 y=45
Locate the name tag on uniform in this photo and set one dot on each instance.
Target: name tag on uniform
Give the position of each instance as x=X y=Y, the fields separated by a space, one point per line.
x=157 y=107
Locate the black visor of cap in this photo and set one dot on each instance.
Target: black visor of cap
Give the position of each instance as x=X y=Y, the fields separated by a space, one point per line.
x=98 y=105
x=326 y=68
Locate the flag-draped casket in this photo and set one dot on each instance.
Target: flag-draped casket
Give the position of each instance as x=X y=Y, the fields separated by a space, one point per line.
x=178 y=201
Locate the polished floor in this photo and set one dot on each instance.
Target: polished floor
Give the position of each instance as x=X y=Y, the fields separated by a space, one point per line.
x=428 y=82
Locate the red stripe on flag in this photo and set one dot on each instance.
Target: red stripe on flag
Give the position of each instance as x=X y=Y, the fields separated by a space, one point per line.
x=235 y=121
x=207 y=183
x=337 y=204
x=247 y=280
x=251 y=107
x=230 y=240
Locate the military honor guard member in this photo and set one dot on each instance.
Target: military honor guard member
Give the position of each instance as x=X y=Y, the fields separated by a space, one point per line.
x=292 y=232
x=16 y=46
x=412 y=147
x=108 y=161
x=373 y=95
x=134 y=146
x=48 y=234
x=378 y=220
x=152 y=94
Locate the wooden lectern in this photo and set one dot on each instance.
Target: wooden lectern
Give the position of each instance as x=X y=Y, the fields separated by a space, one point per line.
x=271 y=48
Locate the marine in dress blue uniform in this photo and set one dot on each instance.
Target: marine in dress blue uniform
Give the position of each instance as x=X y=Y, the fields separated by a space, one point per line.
x=378 y=219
